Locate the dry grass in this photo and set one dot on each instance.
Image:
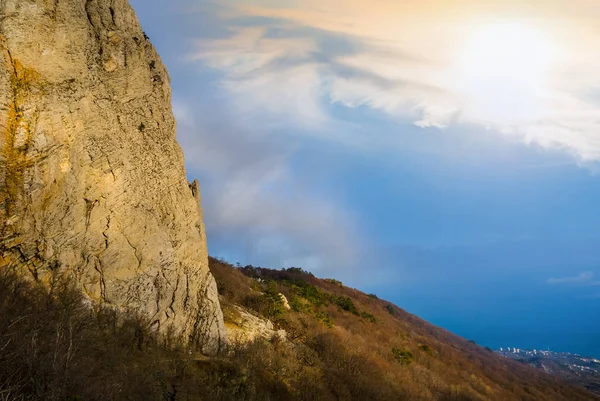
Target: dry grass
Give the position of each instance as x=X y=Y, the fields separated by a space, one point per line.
x=53 y=347
x=370 y=349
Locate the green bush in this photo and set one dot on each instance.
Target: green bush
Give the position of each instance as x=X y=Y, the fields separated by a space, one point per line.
x=402 y=356
x=426 y=348
x=369 y=317
x=311 y=293
x=346 y=304
x=324 y=317
x=298 y=306
x=334 y=281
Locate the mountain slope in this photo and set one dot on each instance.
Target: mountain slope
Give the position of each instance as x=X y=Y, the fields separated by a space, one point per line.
x=338 y=344
x=344 y=344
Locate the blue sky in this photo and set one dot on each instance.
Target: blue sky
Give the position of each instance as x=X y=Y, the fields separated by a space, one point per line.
x=442 y=156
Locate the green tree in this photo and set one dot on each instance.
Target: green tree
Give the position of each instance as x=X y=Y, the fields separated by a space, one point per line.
x=274 y=307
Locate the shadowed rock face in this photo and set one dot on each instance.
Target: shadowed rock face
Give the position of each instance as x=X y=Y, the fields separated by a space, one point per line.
x=92 y=181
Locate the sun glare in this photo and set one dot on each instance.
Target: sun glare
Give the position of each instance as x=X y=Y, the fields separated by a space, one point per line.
x=504 y=71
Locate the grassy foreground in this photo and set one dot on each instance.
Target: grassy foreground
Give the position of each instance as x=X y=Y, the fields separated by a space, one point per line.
x=341 y=344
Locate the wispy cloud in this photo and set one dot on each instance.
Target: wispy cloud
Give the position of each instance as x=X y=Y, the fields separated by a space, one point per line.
x=256 y=200
x=406 y=60
x=268 y=75
x=585 y=278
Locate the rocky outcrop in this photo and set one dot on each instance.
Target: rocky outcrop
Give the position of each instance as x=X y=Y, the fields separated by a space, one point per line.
x=285 y=302
x=92 y=182
x=244 y=327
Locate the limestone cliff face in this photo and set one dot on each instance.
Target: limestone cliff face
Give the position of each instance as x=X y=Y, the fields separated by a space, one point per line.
x=92 y=182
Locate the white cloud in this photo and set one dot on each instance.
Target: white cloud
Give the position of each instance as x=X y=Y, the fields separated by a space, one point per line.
x=250 y=193
x=425 y=106
x=582 y=278
x=285 y=64
x=249 y=49
x=419 y=63
x=267 y=75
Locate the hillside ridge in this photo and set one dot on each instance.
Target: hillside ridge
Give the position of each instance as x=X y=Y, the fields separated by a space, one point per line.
x=362 y=347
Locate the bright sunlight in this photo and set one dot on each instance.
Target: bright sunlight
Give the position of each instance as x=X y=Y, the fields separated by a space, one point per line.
x=504 y=72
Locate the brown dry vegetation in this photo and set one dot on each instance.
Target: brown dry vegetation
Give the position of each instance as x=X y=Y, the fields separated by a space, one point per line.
x=342 y=345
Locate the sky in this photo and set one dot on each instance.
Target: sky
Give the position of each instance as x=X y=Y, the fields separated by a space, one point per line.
x=444 y=155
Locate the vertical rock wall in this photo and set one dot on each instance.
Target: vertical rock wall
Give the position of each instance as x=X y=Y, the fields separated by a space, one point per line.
x=92 y=180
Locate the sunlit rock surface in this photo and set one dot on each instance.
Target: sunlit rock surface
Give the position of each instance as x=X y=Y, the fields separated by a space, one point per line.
x=92 y=180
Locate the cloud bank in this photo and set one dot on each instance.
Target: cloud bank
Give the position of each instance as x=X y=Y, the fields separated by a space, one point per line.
x=418 y=62
x=317 y=69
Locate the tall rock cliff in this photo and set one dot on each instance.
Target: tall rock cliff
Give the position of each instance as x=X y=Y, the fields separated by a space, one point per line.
x=92 y=181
